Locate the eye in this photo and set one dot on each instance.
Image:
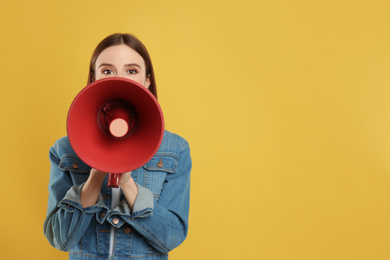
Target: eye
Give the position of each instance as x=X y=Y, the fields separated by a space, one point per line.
x=131 y=71
x=107 y=72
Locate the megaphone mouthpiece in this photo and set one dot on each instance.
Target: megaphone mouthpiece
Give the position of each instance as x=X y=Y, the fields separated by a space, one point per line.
x=119 y=127
x=118 y=118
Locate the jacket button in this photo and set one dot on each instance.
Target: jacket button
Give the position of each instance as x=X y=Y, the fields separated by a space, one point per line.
x=102 y=214
x=115 y=221
x=160 y=164
x=75 y=166
x=127 y=230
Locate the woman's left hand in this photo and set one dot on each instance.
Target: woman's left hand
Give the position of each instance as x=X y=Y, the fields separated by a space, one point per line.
x=125 y=178
x=129 y=188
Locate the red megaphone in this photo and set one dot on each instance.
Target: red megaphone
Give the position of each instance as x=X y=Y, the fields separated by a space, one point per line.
x=115 y=125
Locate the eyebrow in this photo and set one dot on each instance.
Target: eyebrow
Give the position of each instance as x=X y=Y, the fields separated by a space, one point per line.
x=126 y=65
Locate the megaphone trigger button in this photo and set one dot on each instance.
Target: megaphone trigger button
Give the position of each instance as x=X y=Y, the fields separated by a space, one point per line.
x=160 y=164
x=75 y=166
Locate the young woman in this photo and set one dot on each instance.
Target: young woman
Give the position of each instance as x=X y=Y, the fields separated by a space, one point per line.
x=150 y=217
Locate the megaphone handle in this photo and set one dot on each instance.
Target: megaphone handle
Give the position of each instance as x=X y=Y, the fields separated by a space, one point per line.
x=113 y=180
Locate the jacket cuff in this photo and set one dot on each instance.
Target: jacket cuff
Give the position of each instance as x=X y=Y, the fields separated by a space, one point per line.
x=144 y=203
x=142 y=208
x=72 y=200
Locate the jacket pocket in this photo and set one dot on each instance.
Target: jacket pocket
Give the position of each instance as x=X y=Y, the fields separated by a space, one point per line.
x=156 y=170
x=78 y=170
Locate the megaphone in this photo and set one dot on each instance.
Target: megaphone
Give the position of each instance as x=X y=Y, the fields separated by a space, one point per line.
x=115 y=125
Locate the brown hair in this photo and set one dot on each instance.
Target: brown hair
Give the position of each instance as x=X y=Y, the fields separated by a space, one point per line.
x=132 y=42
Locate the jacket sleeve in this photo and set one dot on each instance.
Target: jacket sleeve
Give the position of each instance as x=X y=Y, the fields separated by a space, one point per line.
x=164 y=224
x=66 y=221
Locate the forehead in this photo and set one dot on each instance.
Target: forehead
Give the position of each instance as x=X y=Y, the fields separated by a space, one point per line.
x=120 y=55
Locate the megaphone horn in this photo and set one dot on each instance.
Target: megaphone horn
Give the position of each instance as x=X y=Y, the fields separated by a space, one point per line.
x=115 y=125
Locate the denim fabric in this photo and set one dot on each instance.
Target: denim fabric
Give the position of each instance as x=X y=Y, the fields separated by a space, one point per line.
x=157 y=224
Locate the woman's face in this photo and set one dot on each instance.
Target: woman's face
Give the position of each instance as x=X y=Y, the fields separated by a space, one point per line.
x=121 y=61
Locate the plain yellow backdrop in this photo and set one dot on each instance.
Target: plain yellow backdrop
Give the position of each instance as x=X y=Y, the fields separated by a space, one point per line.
x=285 y=104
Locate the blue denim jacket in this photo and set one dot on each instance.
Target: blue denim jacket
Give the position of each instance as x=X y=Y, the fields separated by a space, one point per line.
x=157 y=224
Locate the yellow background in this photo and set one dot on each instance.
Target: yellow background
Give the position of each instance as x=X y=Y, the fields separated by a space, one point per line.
x=285 y=104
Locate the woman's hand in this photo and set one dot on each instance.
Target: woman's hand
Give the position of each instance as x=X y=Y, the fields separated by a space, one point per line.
x=129 y=188
x=91 y=188
x=98 y=175
x=125 y=178
x=93 y=185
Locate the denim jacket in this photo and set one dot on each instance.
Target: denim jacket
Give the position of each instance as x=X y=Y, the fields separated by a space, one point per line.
x=157 y=223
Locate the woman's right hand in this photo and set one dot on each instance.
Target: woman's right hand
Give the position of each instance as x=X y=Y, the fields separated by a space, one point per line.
x=98 y=175
x=91 y=189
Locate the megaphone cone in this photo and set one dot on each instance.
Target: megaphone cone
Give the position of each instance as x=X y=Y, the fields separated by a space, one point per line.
x=115 y=125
